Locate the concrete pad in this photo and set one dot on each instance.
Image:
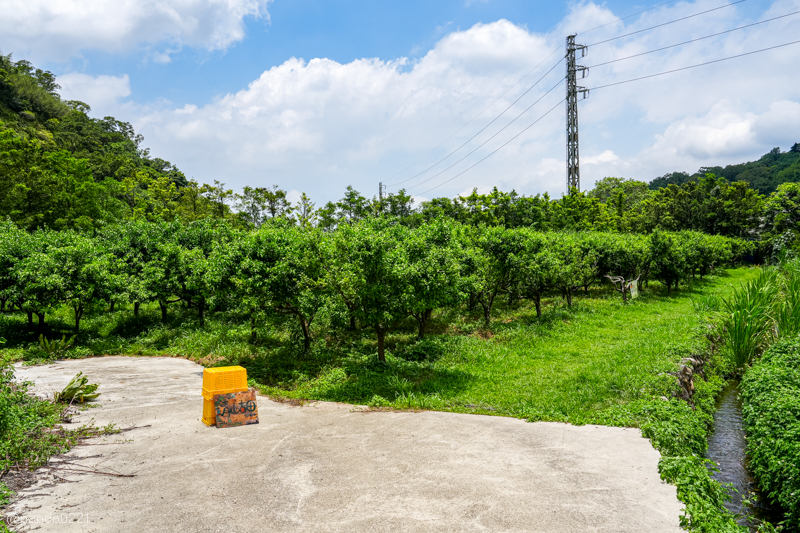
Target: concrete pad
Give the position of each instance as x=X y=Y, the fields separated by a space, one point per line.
x=332 y=467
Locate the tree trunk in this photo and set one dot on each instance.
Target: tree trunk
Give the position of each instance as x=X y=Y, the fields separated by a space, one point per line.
x=306 y=327
x=537 y=301
x=352 y=321
x=30 y=318
x=471 y=301
x=422 y=320
x=41 y=321
x=381 y=343
x=111 y=306
x=201 y=307
x=163 y=306
x=569 y=297
x=78 y=315
x=136 y=309
x=487 y=313
x=487 y=302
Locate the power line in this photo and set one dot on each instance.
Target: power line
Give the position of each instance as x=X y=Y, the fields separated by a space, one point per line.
x=595 y=88
x=496 y=100
x=666 y=23
x=695 y=40
x=623 y=18
x=490 y=138
x=482 y=129
x=473 y=118
x=496 y=150
x=692 y=66
x=530 y=88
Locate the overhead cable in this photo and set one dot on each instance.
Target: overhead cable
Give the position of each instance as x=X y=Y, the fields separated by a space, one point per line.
x=694 y=40
x=496 y=150
x=692 y=66
x=629 y=16
x=666 y=23
x=490 y=138
x=472 y=119
x=482 y=129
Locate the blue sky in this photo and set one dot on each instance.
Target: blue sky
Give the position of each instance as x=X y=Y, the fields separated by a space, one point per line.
x=341 y=31
x=316 y=95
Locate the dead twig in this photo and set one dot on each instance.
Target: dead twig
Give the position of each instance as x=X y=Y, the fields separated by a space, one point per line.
x=106 y=443
x=134 y=427
x=90 y=471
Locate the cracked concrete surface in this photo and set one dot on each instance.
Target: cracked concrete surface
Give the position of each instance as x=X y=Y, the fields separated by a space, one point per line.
x=333 y=467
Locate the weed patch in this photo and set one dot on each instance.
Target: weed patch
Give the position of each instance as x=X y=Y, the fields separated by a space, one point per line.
x=771 y=398
x=30 y=432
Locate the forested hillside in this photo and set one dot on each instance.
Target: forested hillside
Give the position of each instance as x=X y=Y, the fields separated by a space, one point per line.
x=60 y=168
x=764 y=175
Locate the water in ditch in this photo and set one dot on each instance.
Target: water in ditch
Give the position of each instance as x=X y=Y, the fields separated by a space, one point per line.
x=726 y=447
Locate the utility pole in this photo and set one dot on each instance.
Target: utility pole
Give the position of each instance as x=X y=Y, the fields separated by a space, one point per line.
x=381 y=188
x=573 y=163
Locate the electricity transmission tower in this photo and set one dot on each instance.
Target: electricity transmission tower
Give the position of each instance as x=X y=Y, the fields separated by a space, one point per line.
x=573 y=163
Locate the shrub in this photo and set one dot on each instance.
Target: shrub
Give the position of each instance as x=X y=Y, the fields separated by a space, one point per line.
x=771 y=396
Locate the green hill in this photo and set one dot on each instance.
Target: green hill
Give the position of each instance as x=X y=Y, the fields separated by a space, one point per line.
x=61 y=168
x=764 y=175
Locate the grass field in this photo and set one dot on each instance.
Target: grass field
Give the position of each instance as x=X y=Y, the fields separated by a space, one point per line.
x=578 y=364
x=575 y=364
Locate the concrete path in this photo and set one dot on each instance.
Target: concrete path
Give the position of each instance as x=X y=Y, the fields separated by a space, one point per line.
x=332 y=467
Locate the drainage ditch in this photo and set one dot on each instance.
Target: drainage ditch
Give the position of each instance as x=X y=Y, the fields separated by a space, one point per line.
x=726 y=447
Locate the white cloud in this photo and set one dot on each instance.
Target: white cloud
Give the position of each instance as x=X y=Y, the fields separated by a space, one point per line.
x=724 y=131
x=102 y=93
x=318 y=125
x=606 y=157
x=779 y=123
x=417 y=201
x=59 y=30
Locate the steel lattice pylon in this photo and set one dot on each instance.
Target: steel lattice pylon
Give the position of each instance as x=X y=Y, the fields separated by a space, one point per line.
x=573 y=161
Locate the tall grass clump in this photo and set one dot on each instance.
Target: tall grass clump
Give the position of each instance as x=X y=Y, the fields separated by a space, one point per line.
x=747 y=320
x=787 y=313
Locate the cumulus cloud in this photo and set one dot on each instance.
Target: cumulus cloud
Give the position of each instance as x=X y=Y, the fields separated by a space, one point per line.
x=102 y=93
x=724 y=131
x=318 y=125
x=48 y=30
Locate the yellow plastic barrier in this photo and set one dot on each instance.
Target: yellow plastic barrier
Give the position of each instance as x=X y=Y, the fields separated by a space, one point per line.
x=221 y=380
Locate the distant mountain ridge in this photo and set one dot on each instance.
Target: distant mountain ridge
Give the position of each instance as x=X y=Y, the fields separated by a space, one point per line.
x=764 y=175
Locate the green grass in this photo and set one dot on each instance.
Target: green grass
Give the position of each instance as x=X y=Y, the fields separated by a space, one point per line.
x=575 y=365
